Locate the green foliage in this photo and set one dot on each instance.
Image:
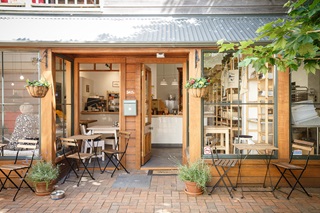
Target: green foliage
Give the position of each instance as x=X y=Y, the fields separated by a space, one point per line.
x=43 y=172
x=198 y=172
x=198 y=83
x=41 y=82
x=295 y=40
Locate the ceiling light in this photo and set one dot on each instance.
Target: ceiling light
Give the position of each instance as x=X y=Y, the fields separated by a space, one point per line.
x=174 y=82
x=163 y=82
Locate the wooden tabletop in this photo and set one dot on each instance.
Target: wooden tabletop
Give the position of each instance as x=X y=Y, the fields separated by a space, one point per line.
x=257 y=146
x=84 y=137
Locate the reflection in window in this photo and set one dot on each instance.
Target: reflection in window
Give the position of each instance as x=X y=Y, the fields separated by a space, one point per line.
x=63 y=101
x=305 y=107
x=239 y=107
x=20 y=113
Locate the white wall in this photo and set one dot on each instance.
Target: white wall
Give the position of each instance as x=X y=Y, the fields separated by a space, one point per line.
x=169 y=72
x=102 y=82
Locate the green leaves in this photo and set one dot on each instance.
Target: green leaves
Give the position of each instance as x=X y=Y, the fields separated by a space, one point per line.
x=295 y=40
x=37 y=83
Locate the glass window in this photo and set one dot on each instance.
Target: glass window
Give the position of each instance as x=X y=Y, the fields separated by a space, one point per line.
x=64 y=99
x=305 y=107
x=239 y=107
x=20 y=113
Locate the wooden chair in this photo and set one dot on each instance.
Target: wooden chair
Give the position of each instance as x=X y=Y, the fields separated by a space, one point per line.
x=117 y=154
x=20 y=169
x=287 y=169
x=73 y=155
x=225 y=165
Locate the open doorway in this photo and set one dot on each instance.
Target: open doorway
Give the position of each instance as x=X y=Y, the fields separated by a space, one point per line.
x=167 y=118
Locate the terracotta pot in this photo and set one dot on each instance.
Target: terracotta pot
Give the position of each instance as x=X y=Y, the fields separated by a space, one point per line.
x=192 y=188
x=37 y=91
x=199 y=92
x=42 y=190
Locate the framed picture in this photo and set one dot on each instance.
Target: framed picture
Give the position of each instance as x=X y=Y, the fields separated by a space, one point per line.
x=115 y=83
x=87 y=88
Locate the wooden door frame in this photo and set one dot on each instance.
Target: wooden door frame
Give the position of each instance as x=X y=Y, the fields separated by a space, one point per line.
x=184 y=62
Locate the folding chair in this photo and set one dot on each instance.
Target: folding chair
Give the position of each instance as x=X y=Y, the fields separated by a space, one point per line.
x=225 y=165
x=73 y=155
x=284 y=167
x=117 y=155
x=20 y=169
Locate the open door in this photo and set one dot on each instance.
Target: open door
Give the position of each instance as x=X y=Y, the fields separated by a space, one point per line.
x=146 y=114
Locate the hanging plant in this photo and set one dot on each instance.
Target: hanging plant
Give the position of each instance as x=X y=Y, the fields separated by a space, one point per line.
x=38 y=88
x=198 y=86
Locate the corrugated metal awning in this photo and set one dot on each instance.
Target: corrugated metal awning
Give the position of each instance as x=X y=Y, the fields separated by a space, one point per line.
x=128 y=30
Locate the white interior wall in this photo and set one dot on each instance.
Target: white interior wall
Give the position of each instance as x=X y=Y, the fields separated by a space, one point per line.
x=102 y=82
x=169 y=72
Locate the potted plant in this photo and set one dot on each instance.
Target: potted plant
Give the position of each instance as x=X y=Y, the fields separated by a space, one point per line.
x=37 y=88
x=198 y=86
x=43 y=174
x=195 y=175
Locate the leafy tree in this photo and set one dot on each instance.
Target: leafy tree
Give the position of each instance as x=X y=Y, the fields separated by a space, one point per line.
x=295 y=40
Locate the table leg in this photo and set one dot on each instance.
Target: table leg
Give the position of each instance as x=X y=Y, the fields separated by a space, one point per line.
x=96 y=156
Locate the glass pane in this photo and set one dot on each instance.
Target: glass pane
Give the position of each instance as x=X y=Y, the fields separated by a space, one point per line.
x=20 y=111
x=239 y=102
x=305 y=107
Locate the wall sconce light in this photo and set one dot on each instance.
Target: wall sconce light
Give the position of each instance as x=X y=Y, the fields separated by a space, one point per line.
x=44 y=56
x=160 y=55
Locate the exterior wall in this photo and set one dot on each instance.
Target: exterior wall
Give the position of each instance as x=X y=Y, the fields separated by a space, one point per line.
x=160 y=7
x=130 y=89
x=193 y=7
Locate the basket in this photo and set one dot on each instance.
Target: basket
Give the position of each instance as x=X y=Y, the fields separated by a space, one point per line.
x=37 y=91
x=199 y=92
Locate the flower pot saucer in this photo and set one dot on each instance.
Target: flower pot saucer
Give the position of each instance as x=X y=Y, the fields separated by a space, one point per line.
x=193 y=193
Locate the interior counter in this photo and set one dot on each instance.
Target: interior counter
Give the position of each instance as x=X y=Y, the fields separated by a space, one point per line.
x=167 y=129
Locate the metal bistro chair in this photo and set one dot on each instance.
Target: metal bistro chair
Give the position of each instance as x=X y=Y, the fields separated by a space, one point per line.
x=73 y=155
x=285 y=167
x=117 y=155
x=20 y=169
x=225 y=165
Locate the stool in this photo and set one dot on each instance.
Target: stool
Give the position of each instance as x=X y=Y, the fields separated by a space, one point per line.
x=247 y=139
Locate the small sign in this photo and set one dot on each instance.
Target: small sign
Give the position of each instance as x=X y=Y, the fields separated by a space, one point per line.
x=115 y=83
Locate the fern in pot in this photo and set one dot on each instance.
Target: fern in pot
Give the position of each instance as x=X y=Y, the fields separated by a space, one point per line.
x=195 y=175
x=43 y=174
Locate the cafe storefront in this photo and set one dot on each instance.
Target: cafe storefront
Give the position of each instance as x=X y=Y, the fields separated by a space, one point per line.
x=94 y=72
